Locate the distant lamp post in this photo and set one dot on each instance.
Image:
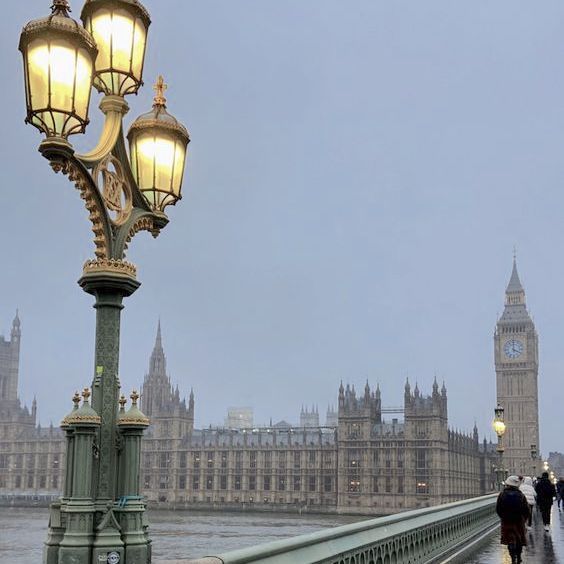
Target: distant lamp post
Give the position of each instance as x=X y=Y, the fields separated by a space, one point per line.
x=499 y=428
x=534 y=454
x=100 y=517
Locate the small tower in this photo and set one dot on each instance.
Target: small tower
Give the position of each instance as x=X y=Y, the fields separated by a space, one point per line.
x=331 y=418
x=10 y=365
x=309 y=418
x=160 y=400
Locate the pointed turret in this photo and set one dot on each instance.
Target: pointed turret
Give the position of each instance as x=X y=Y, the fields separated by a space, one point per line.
x=157 y=364
x=435 y=387
x=191 y=403
x=16 y=327
x=407 y=392
x=514 y=285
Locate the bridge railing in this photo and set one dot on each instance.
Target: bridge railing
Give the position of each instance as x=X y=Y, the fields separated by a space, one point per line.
x=417 y=536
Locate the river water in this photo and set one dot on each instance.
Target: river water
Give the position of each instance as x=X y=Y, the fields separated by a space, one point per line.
x=175 y=534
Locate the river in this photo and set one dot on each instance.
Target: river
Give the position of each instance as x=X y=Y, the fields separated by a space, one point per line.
x=175 y=534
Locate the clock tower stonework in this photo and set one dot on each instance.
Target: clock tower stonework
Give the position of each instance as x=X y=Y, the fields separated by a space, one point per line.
x=516 y=367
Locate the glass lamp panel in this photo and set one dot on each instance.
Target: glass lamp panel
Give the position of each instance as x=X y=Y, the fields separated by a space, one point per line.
x=179 y=163
x=83 y=83
x=164 y=163
x=38 y=74
x=138 y=56
x=101 y=30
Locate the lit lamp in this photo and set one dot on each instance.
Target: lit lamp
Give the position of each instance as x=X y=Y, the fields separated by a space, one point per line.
x=157 y=147
x=119 y=28
x=58 y=56
x=499 y=425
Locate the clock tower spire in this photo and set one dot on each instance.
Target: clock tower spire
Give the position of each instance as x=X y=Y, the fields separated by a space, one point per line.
x=516 y=367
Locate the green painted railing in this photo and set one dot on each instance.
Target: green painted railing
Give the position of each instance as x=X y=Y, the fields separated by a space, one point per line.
x=418 y=536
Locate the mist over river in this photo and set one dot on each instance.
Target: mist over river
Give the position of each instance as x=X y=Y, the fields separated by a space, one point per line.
x=175 y=534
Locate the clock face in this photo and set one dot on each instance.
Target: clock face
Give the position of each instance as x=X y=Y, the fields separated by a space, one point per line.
x=513 y=348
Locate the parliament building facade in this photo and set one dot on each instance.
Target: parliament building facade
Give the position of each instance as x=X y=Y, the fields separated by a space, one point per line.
x=357 y=463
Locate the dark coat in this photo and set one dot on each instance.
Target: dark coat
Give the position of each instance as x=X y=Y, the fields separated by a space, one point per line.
x=513 y=510
x=545 y=492
x=560 y=487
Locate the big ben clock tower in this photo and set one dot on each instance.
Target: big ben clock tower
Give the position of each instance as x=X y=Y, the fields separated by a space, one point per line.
x=516 y=367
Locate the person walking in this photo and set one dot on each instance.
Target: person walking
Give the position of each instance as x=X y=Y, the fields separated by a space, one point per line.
x=529 y=492
x=513 y=510
x=560 y=493
x=545 y=496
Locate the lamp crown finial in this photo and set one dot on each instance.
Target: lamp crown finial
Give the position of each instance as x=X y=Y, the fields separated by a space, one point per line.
x=159 y=88
x=86 y=394
x=134 y=397
x=122 y=401
x=76 y=400
x=60 y=8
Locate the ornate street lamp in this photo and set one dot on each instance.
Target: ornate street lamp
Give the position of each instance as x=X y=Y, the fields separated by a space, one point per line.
x=100 y=516
x=499 y=428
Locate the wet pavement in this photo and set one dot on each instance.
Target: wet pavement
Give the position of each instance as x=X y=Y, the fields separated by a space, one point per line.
x=542 y=547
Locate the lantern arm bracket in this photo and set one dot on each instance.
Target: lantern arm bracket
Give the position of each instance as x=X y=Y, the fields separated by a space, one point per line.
x=139 y=220
x=114 y=108
x=60 y=155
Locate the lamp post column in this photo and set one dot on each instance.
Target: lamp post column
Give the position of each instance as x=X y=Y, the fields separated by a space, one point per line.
x=109 y=288
x=109 y=282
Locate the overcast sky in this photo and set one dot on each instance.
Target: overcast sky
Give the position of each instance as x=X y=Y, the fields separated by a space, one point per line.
x=358 y=175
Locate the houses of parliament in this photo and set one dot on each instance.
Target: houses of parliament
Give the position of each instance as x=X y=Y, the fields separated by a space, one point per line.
x=357 y=462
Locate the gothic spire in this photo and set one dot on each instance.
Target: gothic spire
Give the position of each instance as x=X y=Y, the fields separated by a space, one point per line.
x=157 y=366
x=159 y=340
x=514 y=285
x=16 y=326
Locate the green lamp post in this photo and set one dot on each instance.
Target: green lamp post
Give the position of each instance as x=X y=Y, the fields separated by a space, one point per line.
x=100 y=517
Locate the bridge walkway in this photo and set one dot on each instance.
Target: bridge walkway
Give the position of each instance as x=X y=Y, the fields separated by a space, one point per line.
x=543 y=548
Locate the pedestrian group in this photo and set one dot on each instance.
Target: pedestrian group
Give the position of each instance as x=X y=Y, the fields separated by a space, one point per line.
x=515 y=507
